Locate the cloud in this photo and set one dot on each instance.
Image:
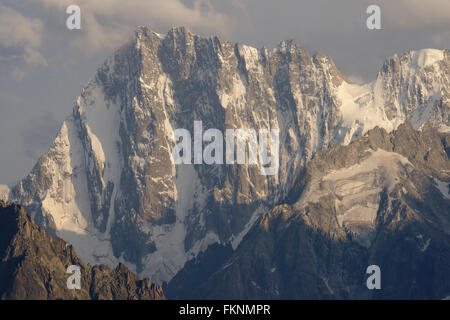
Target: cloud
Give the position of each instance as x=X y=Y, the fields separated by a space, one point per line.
x=106 y=23
x=23 y=36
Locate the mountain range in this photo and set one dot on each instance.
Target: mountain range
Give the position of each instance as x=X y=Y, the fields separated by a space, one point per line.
x=363 y=172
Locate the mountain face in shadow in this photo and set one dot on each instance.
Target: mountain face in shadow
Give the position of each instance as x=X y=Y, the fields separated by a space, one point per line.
x=382 y=200
x=33 y=266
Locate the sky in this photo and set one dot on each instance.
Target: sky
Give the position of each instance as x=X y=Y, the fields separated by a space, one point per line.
x=44 y=65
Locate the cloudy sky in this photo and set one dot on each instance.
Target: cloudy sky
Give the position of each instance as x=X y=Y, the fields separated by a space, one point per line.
x=43 y=65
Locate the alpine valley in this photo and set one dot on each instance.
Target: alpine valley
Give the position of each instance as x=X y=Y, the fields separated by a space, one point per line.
x=363 y=176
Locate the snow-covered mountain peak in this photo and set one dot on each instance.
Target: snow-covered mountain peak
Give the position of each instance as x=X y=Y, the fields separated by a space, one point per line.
x=425 y=57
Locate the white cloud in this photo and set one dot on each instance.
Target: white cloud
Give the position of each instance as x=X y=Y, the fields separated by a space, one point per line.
x=23 y=34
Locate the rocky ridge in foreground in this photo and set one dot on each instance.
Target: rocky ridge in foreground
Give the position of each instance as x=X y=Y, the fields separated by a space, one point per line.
x=33 y=266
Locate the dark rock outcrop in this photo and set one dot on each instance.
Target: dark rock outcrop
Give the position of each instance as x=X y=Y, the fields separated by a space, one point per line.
x=33 y=266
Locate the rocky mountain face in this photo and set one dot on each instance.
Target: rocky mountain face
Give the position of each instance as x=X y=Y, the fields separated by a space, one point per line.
x=382 y=200
x=109 y=185
x=33 y=266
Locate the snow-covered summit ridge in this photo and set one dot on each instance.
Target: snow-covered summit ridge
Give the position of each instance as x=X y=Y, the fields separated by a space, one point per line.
x=425 y=57
x=421 y=58
x=414 y=86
